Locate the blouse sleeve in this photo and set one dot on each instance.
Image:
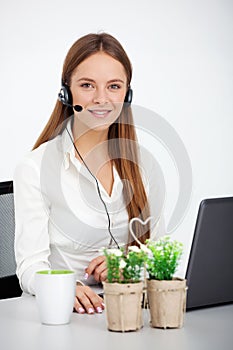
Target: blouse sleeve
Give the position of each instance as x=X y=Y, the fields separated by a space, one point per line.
x=31 y=224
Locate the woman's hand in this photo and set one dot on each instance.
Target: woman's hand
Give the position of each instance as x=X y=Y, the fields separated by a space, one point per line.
x=87 y=301
x=98 y=268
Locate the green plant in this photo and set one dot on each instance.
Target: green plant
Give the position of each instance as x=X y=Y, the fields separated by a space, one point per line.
x=164 y=258
x=125 y=268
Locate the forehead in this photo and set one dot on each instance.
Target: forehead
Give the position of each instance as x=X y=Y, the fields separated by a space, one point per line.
x=100 y=66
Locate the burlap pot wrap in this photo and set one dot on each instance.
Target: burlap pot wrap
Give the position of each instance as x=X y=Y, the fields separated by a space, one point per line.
x=167 y=302
x=123 y=306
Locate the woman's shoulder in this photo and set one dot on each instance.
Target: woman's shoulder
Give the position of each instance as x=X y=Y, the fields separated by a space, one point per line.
x=34 y=157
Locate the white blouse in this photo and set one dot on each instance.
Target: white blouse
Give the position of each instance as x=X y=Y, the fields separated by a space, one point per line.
x=60 y=220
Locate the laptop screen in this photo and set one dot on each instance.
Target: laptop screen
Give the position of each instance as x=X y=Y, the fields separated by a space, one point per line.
x=210 y=268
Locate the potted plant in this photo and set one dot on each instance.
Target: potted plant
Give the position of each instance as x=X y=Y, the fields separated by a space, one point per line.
x=166 y=294
x=123 y=288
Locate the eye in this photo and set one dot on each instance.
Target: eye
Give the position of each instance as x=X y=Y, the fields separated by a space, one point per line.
x=114 y=86
x=86 y=85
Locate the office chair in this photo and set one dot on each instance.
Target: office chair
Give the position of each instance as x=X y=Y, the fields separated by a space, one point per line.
x=9 y=283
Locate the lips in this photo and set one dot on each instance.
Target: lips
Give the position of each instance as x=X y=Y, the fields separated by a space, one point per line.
x=100 y=113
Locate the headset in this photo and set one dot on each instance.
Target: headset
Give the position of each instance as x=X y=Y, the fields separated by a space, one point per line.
x=65 y=97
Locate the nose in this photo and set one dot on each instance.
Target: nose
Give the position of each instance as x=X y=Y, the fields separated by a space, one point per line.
x=101 y=96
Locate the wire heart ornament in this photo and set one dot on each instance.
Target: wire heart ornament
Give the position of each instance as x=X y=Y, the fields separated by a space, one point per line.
x=150 y=218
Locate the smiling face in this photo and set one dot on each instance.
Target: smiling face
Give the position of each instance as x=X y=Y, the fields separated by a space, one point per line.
x=99 y=85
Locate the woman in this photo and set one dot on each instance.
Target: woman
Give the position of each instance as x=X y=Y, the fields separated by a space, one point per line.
x=82 y=183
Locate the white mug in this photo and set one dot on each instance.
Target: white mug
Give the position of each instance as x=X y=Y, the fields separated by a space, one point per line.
x=55 y=293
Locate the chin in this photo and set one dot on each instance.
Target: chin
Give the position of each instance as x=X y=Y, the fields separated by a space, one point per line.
x=101 y=128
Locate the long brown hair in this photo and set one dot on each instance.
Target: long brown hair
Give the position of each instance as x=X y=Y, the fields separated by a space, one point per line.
x=123 y=146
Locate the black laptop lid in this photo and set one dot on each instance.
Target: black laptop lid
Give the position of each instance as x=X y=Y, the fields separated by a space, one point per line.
x=210 y=268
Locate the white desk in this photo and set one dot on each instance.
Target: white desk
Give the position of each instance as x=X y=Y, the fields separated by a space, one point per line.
x=20 y=329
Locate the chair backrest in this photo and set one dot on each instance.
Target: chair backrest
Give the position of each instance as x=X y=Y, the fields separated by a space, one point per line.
x=9 y=284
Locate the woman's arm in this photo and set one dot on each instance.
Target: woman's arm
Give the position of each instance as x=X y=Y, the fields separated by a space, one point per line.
x=31 y=224
x=32 y=244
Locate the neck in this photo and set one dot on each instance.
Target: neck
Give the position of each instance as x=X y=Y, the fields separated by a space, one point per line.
x=92 y=144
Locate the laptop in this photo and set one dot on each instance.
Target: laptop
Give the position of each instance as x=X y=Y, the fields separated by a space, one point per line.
x=210 y=268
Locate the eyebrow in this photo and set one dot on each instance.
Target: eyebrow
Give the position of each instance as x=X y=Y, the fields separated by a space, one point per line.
x=109 y=81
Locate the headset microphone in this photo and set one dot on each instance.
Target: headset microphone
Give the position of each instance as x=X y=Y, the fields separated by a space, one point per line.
x=63 y=99
x=78 y=108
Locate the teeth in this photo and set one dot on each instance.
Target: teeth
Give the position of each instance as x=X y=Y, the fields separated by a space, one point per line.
x=100 y=113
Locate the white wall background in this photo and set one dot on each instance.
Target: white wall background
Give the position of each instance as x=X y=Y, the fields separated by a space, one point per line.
x=182 y=54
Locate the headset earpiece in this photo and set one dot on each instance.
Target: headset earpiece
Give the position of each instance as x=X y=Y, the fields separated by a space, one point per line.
x=65 y=95
x=129 y=96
